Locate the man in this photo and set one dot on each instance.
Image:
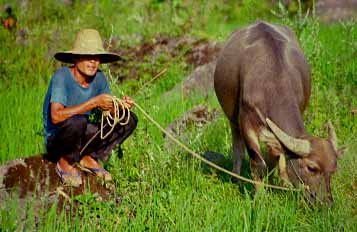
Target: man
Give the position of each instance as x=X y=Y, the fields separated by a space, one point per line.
x=73 y=92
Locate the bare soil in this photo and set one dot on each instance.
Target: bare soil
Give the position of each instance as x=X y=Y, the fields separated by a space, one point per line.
x=336 y=10
x=159 y=52
x=197 y=117
x=34 y=179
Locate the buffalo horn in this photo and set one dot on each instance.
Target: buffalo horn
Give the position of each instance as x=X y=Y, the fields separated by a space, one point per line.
x=300 y=147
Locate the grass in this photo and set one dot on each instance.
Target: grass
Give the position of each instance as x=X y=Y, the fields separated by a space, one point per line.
x=21 y=126
x=165 y=189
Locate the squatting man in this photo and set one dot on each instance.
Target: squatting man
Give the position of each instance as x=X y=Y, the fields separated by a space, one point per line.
x=73 y=92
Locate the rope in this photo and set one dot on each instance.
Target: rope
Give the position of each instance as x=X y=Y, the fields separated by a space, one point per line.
x=112 y=120
x=197 y=156
x=116 y=119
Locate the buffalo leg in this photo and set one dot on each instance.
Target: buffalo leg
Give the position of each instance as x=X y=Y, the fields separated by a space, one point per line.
x=282 y=169
x=238 y=148
x=257 y=163
x=276 y=153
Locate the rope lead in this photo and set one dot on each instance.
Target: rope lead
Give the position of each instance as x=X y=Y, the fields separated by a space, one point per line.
x=197 y=156
x=119 y=117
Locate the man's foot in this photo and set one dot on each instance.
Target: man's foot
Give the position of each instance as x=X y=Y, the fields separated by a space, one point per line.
x=68 y=174
x=89 y=164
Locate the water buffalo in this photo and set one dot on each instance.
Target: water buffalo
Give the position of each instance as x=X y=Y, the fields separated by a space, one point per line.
x=262 y=81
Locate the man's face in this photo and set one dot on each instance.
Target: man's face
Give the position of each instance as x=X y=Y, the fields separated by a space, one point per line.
x=88 y=65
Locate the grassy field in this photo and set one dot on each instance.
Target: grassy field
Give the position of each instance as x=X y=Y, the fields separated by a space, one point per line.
x=166 y=189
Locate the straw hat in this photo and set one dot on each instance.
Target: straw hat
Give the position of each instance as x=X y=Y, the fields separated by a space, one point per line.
x=88 y=42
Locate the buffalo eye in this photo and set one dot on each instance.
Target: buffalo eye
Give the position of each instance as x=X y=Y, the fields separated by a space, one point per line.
x=312 y=169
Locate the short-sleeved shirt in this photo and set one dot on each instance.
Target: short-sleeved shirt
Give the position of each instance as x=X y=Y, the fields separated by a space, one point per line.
x=64 y=89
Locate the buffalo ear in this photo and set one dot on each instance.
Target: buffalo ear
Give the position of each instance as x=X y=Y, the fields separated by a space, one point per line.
x=332 y=135
x=341 y=151
x=333 y=140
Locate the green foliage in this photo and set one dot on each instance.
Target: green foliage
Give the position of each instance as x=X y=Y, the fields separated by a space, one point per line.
x=162 y=187
x=21 y=122
x=95 y=115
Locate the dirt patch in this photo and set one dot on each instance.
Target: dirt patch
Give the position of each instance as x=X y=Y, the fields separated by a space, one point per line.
x=336 y=10
x=198 y=116
x=200 y=82
x=160 y=52
x=34 y=179
x=326 y=10
x=203 y=52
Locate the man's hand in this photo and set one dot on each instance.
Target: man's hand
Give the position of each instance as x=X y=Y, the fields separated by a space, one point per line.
x=59 y=112
x=104 y=101
x=127 y=101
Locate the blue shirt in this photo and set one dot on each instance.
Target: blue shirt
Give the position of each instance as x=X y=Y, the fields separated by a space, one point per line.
x=66 y=90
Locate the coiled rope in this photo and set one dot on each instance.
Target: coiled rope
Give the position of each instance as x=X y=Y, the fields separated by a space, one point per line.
x=113 y=120
x=116 y=118
x=121 y=116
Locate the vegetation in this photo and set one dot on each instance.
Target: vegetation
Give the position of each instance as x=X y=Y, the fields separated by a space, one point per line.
x=165 y=189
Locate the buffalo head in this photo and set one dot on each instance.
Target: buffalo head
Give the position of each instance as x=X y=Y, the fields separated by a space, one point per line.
x=311 y=161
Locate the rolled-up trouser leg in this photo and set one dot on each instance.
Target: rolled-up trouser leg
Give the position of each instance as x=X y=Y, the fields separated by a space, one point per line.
x=101 y=149
x=68 y=138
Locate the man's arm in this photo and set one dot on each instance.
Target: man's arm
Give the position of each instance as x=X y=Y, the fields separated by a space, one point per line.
x=59 y=112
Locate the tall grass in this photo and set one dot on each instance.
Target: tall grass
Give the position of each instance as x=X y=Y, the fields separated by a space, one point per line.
x=21 y=122
x=162 y=187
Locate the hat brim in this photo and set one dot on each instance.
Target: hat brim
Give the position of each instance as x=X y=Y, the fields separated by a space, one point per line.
x=70 y=57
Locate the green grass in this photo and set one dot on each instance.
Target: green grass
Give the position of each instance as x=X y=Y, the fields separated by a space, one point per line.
x=20 y=122
x=166 y=189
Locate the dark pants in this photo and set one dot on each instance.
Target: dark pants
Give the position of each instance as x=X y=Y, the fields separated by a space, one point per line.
x=74 y=133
